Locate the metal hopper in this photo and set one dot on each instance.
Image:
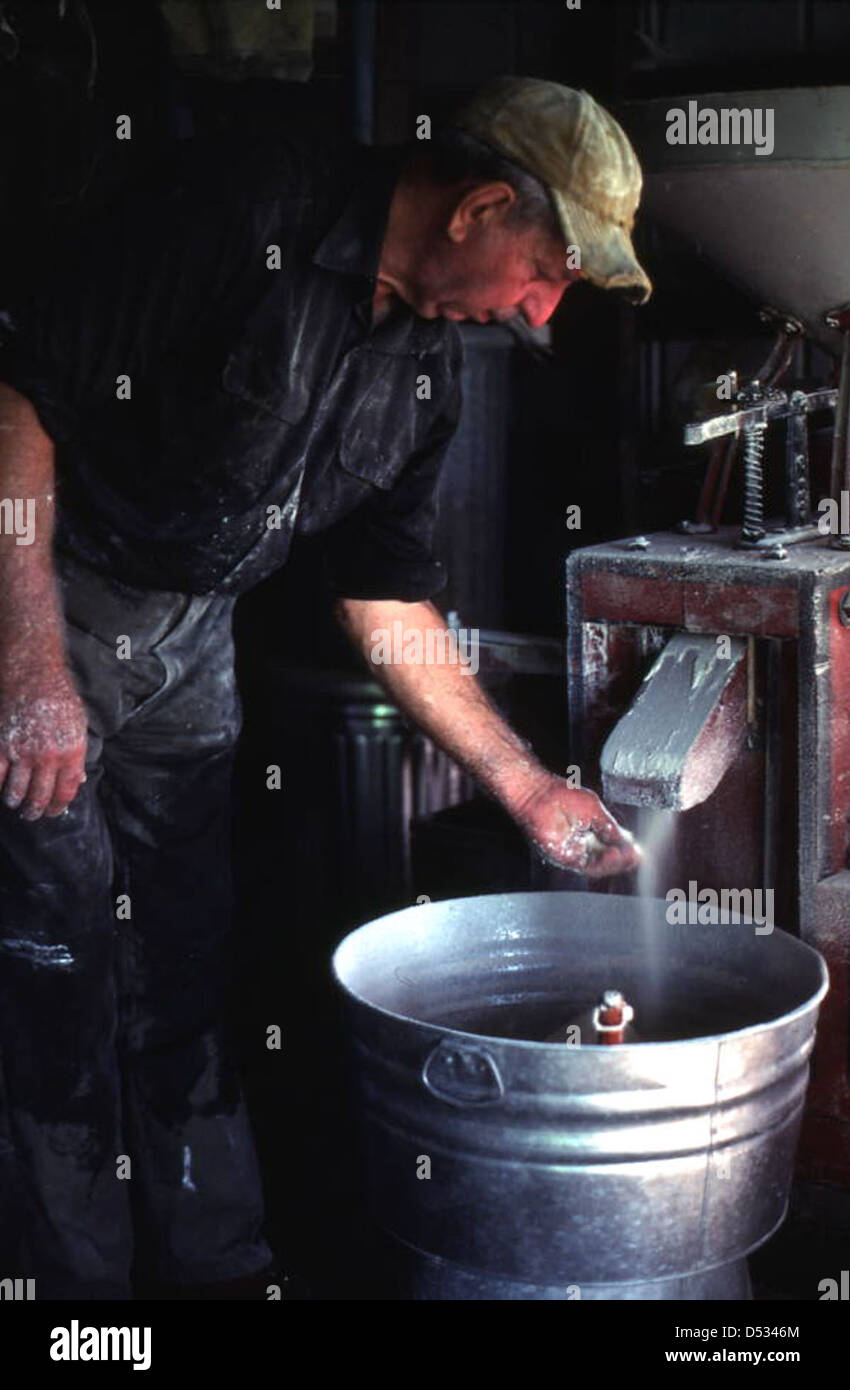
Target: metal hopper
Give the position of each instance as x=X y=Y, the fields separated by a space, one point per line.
x=776 y=223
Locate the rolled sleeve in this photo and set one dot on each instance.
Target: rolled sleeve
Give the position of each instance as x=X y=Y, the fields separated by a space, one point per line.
x=385 y=549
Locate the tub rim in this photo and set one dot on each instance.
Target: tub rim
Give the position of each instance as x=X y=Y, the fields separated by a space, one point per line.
x=444 y=1030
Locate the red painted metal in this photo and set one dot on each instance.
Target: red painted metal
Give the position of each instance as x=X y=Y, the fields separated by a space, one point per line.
x=756 y=610
x=839 y=733
x=626 y=598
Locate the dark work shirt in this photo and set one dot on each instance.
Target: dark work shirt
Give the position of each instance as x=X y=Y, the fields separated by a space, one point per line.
x=261 y=400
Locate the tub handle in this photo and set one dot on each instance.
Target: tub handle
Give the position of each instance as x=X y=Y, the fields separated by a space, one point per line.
x=462 y=1075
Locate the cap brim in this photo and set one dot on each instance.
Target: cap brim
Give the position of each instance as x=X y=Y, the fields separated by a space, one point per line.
x=607 y=257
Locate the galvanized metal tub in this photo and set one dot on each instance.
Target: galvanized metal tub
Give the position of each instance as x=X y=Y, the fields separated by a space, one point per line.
x=505 y=1167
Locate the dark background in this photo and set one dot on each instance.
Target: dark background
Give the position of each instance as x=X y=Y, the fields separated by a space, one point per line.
x=595 y=421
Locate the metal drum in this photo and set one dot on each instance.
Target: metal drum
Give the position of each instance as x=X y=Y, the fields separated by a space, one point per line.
x=503 y=1167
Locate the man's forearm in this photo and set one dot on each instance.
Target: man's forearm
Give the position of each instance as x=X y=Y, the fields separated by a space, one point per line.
x=30 y=612
x=568 y=826
x=42 y=719
x=445 y=699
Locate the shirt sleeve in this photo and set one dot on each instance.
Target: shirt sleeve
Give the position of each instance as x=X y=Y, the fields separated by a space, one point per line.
x=385 y=548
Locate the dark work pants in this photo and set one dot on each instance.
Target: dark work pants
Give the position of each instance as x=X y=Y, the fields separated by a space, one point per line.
x=122 y=1132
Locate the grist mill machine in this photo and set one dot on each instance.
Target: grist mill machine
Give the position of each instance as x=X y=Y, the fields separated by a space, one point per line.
x=744 y=742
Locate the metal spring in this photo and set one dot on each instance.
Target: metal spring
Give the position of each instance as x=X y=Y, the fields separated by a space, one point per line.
x=753 y=528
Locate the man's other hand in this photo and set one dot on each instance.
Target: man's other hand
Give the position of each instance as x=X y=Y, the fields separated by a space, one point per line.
x=571 y=829
x=42 y=739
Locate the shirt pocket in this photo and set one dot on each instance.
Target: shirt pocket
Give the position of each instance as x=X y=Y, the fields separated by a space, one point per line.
x=380 y=422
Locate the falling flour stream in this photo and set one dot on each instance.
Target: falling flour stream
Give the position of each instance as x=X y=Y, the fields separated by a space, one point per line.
x=655 y=833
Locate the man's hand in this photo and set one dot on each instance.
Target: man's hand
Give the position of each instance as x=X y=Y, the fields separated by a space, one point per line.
x=572 y=830
x=42 y=739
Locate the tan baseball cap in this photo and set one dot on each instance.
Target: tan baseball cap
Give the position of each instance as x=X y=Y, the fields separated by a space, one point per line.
x=582 y=156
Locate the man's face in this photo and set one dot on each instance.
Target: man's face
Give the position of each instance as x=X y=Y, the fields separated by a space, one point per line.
x=481 y=267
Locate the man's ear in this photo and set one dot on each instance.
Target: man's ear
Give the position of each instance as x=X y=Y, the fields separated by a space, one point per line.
x=485 y=204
